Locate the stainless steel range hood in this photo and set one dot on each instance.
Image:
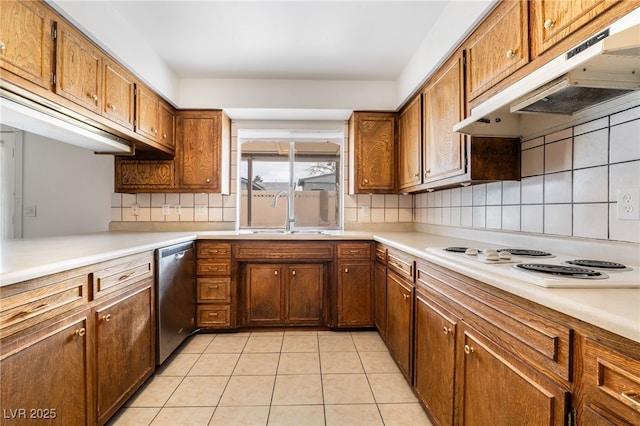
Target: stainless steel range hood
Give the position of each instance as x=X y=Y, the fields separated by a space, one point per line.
x=603 y=68
x=21 y=113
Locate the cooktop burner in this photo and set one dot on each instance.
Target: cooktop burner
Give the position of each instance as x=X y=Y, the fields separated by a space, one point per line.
x=525 y=252
x=599 y=264
x=560 y=270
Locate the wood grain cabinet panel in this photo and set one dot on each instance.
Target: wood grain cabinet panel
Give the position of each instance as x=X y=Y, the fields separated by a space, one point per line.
x=305 y=294
x=380 y=299
x=435 y=357
x=410 y=144
x=499 y=47
x=372 y=152
x=200 y=149
x=215 y=285
x=167 y=126
x=147 y=113
x=78 y=69
x=26 y=41
x=444 y=150
x=125 y=348
x=119 y=89
x=400 y=323
x=144 y=175
x=46 y=376
x=552 y=21
x=355 y=293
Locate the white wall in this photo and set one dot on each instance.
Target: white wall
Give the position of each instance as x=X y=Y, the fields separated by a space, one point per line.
x=71 y=188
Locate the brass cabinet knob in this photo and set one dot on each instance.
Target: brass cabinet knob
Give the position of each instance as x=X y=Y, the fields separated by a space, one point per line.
x=154 y=131
x=366 y=181
x=510 y=54
x=112 y=107
x=446 y=330
x=406 y=296
x=106 y=318
x=346 y=270
x=208 y=180
x=293 y=272
x=164 y=136
x=468 y=349
x=3 y=47
x=275 y=272
x=92 y=96
x=81 y=332
x=549 y=23
x=416 y=175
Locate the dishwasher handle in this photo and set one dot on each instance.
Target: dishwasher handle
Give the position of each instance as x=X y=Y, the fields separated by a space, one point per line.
x=177 y=250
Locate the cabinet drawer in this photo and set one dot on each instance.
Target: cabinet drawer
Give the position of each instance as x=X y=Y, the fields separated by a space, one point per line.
x=214 y=267
x=613 y=380
x=214 y=290
x=542 y=342
x=214 y=316
x=33 y=306
x=354 y=251
x=381 y=253
x=121 y=273
x=271 y=250
x=216 y=250
x=401 y=264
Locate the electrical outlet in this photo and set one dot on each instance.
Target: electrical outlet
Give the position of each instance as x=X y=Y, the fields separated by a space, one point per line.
x=201 y=209
x=166 y=209
x=135 y=209
x=628 y=204
x=364 y=211
x=29 y=211
x=178 y=209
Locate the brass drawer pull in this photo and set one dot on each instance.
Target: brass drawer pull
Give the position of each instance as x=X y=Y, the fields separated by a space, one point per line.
x=468 y=349
x=214 y=287
x=354 y=251
x=632 y=396
x=125 y=276
x=213 y=314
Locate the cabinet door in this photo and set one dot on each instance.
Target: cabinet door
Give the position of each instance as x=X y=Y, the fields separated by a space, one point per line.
x=147 y=175
x=78 y=69
x=26 y=42
x=552 y=21
x=198 y=153
x=167 y=126
x=355 y=294
x=147 y=113
x=264 y=294
x=372 y=152
x=46 y=381
x=444 y=107
x=410 y=145
x=400 y=322
x=119 y=89
x=380 y=299
x=499 y=48
x=497 y=389
x=125 y=349
x=435 y=354
x=305 y=294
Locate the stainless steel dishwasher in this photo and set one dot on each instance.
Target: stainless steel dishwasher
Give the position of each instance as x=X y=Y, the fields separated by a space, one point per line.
x=175 y=297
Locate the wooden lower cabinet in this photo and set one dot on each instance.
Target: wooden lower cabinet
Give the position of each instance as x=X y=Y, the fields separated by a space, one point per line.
x=44 y=376
x=496 y=389
x=215 y=285
x=355 y=293
x=284 y=294
x=434 y=359
x=380 y=298
x=124 y=347
x=400 y=322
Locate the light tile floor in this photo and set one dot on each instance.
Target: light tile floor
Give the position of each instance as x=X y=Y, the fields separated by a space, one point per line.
x=277 y=378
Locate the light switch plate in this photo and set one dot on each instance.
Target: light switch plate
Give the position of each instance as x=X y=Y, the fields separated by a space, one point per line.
x=29 y=211
x=628 y=204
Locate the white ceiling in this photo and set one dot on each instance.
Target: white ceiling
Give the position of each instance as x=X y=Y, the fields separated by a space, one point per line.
x=252 y=56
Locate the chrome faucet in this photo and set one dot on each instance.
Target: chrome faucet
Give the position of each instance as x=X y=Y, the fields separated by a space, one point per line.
x=290 y=219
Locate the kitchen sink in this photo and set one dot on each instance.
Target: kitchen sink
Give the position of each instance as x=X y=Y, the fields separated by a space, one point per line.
x=283 y=232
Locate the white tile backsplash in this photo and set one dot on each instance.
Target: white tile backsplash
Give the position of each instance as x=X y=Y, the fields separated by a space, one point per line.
x=625 y=141
x=532 y=161
x=557 y=188
x=591 y=149
x=557 y=219
x=558 y=156
x=532 y=190
x=591 y=185
x=590 y=220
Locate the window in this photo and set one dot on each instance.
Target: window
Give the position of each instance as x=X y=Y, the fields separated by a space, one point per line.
x=301 y=172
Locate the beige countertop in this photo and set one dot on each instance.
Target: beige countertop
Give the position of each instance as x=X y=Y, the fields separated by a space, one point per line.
x=615 y=310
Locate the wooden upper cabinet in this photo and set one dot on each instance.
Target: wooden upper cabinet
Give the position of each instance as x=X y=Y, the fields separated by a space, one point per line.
x=410 y=145
x=203 y=139
x=26 y=41
x=552 y=21
x=118 y=94
x=372 y=157
x=144 y=175
x=167 y=126
x=147 y=113
x=78 y=69
x=444 y=154
x=498 y=47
